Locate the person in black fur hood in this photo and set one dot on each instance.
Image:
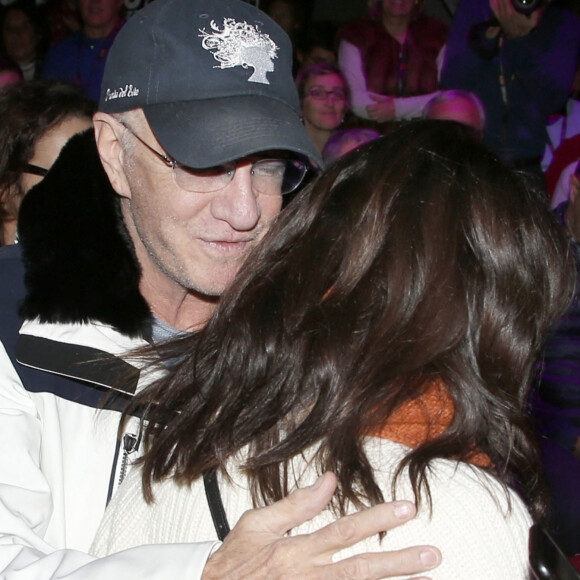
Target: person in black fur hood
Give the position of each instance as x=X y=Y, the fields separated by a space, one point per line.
x=122 y=245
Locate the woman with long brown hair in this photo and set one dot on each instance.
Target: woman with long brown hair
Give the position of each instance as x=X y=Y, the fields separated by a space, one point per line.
x=386 y=330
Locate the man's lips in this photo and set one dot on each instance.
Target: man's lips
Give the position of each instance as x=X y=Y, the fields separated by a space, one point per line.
x=228 y=246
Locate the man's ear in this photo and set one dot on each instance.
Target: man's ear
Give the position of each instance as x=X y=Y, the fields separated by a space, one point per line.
x=107 y=135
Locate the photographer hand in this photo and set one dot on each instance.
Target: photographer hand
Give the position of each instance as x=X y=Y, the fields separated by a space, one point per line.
x=258 y=549
x=513 y=23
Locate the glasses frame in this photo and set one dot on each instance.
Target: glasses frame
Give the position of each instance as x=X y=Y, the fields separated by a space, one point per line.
x=35 y=169
x=169 y=161
x=327 y=94
x=173 y=164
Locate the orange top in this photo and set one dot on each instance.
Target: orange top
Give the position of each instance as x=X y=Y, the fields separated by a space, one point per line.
x=422 y=419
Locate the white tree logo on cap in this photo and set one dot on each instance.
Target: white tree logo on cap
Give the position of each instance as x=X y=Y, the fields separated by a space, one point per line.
x=241 y=44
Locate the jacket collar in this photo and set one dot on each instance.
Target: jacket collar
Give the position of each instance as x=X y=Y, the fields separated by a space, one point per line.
x=79 y=260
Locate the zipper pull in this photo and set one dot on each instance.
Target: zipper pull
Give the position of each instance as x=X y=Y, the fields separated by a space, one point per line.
x=130 y=445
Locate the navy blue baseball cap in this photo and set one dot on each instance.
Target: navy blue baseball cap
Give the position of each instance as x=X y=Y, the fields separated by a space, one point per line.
x=214 y=79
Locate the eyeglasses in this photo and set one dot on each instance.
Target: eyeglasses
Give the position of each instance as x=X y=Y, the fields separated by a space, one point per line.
x=320 y=94
x=269 y=176
x=34 y=170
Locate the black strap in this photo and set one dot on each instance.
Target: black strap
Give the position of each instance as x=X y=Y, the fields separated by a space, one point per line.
x=216 y=507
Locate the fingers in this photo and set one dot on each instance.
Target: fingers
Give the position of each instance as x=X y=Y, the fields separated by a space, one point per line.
x=535 y=18
x=351 y=529
x=502 y=8
x=514 y=24
x=374 y=566
x=295 y=509
x=257 y=549
x=372 y=112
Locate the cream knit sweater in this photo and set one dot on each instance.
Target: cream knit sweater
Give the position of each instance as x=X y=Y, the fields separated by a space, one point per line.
x=479 y=536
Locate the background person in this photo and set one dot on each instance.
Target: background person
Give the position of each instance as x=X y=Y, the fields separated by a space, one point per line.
x=24 y=37
x=36 y=120
x=81 y=57
x=316 y=44
x=391 y=53
x=123 y=243
x=63 y=19
x=324 y=99
x=457 y=105
x=559 y=173
x=520 y=66
x=343 y=141
x=561 y=127
x=289 y=14
x=371 y=326
x=556 y=401
x=561 y=169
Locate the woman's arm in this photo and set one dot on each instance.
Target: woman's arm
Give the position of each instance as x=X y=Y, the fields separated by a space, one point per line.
x=350 y=61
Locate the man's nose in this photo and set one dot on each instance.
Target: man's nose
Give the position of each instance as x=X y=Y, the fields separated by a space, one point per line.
x=237 y=204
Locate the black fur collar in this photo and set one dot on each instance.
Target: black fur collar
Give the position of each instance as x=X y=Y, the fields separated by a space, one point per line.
x=80 y=263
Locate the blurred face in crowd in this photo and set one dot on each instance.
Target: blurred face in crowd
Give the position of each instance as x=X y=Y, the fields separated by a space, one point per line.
x=398 y=8
x=46 y=150
x=284 y=14
x=325 y=102
x=316 y=55
x=99 y=16
x=19 y=36
x=462 y=110
x=49 y=145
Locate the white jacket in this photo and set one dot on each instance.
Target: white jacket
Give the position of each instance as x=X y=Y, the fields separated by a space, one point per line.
x=61 y=460
x=60 y=456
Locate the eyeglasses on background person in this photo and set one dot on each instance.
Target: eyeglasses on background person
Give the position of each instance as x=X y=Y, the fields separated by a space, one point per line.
x=34 y=169
x=321 y=94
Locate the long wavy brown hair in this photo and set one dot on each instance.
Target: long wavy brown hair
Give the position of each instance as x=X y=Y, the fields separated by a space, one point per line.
x=419 y=257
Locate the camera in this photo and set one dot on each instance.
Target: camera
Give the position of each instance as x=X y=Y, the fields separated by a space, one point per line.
x=527 y=6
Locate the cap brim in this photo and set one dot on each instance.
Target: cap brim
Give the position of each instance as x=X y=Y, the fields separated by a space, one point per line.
x=204 y=133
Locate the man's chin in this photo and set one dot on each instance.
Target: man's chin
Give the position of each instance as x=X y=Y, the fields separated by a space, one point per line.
x=211 y=291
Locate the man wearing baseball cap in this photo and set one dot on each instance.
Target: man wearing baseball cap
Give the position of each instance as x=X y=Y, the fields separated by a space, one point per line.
x=130 y=239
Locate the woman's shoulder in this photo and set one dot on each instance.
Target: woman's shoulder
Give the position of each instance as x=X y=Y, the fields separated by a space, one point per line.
x=446 y=478
x=480 y=527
